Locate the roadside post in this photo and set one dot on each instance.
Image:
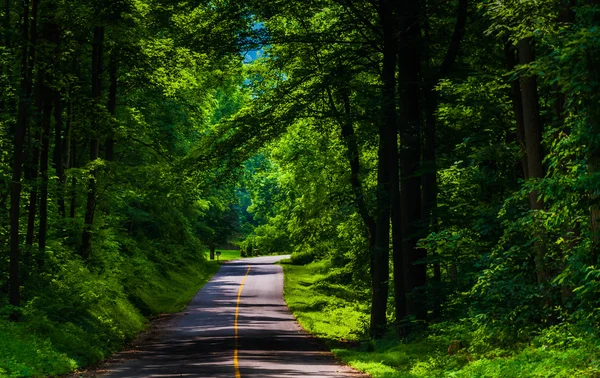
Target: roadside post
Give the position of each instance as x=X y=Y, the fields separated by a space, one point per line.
x=218 y=254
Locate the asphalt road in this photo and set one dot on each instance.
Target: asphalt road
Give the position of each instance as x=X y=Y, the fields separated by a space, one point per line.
x=208 y=339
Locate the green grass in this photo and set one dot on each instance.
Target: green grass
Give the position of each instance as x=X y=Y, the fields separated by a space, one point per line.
x=328 y=311
x=226 y=254
x=107 y=312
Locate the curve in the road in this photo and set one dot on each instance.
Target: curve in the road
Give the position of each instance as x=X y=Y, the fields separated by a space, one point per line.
x=237 y=325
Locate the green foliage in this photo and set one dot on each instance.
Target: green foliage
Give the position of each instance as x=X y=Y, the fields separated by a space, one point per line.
x=559 y=351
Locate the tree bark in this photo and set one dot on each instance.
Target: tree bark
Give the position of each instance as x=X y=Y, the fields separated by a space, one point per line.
x=517 y=102
x=97 y=68
x=19 y=141
x=429 y=166
x=58 y=152
x=533 y=140
x=415 y=270
x=387 y=137
x=46 y=121
x=112 y=107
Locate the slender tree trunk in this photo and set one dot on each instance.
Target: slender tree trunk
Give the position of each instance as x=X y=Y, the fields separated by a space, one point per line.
x=59 y=149
x=387 y=128
x=97 y=68
x=46 y=120
x=58 y=152
x=19 y=141
x=32 y=166
x=353 y=156
x=429 y=166
x=533 y=140
x=112 y=107
x=73 y=164
x=70 y=155
x=415 y=270
x=515 y=95
x=593 y=153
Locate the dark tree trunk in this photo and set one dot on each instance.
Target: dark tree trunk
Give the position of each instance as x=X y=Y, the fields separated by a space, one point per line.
x=593 y=153
x=533 y=140
x=415 y=271
x=97 y=68
x=70 y=154
x=49 y=34
x=73 y=163
x=353 y=156
x=212 y=252
x=46 y=120
x=59 y=149
x=58 y=152
x=112 y=107
x=515 y=95
x=19 y=141
x=387 y=137
x=429 y=167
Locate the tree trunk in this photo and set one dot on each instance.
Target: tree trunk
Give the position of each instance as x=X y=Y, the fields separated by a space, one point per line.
x=46 y=120
x=429 y=166
x=533 y=140
x=212 y=252
x=112 y=107
x=58 y=152
x=593 y=153
x=353 y=156
x=59 y=149
x=97 y=68
x=19 y=141
x=515 y=95
x=387 y=137
x=415 y=270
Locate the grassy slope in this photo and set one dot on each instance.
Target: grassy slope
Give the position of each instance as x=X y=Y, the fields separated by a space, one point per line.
x=329 y=312
x=40 y=346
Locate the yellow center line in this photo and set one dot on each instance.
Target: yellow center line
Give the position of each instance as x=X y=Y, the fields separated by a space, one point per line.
x=235 y=327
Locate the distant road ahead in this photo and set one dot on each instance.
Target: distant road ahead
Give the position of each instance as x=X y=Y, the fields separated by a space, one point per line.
x=209 y=340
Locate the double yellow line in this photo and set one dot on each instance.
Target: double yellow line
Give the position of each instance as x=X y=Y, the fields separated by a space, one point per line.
x=236 y=364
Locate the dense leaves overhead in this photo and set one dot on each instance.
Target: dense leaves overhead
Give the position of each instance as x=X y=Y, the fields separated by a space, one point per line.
x=441 y=157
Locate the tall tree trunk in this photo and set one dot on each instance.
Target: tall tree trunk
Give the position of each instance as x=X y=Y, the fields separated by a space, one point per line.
x=97 y=68
x=593 y=153
x=415 y=270
x=429 y=166
x=387 y=136
x=46 y=120
x=517 y=102
x=70 y=155
x=32 y=166
x=73 y=164
x=59 y=149
x=112 y=107
x=58 y=152
x=19 y=141
x=532 y=123
x=353 y=156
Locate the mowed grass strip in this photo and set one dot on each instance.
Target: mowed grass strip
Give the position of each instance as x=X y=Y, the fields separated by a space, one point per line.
x=226 y=255
x=327 y=310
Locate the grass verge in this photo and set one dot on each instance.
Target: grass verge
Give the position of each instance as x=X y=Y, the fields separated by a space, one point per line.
x=107 y=311
x=226 y=255
x=337 y=313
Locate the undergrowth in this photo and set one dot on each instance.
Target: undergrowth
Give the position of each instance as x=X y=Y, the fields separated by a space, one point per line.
x=336 y=312
x=83 y=314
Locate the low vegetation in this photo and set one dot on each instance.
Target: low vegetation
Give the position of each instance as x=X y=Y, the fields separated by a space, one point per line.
x=56 y=334
x=335 y=312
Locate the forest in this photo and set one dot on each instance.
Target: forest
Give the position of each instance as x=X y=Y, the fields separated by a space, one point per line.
x=432 y=167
